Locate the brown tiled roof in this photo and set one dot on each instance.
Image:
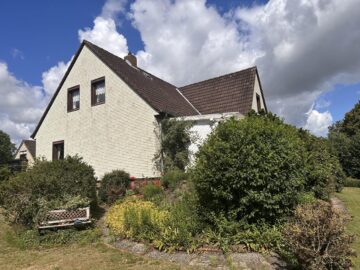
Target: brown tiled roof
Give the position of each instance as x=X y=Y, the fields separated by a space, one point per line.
x=229 y=93
x=31 y=146
x=160 y=95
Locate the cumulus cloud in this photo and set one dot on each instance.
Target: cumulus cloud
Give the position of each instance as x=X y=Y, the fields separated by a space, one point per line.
x=104 y=32
x=302 y=48
x=52 y=77
x=21 y=105
x=318 y=123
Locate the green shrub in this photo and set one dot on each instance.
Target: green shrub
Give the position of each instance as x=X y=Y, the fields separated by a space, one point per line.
x=173 y=178
x=113 y=186
x=352 y=182
x=5 y=173
x=316 y=235
x=24 y=194
x=251 y=167
x=323 y=172
x=153 y=193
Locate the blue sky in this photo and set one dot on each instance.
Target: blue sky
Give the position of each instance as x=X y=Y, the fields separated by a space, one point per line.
x=285 y=39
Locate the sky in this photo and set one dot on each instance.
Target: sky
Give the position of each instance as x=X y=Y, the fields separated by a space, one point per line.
x=307 y=51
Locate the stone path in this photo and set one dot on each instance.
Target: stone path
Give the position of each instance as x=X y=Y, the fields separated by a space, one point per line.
x=338 y=204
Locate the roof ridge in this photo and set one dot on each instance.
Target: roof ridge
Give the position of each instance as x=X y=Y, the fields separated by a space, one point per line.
x=218 y=77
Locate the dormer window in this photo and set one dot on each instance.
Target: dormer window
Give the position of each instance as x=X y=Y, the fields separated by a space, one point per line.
x=73 y=99
x=98 y=91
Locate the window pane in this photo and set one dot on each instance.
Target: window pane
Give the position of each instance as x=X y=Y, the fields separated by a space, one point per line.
x=75 y=96
x=100 y=92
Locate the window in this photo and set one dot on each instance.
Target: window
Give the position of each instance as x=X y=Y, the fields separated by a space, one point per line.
x=23 y=157
x=73 y=99
x=98 y=91
x=258 y=102
x=58 y=150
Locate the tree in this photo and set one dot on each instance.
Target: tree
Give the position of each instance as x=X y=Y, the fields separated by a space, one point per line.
x=7 y=148
x=344 y=137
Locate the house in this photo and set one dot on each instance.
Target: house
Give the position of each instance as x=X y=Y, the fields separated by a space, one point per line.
x=107 y=110
x=26 y=152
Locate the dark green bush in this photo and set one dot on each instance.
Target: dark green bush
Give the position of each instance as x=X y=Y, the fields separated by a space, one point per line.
x=172 y=179
x=114 y=185
x=5 y=173
x=153 y=193
x=23 y=195
x=352 y=182
x=323 y=172
x=316 y=235
x=252 y=167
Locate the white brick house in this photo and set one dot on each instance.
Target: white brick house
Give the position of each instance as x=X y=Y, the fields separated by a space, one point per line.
x=107 y=110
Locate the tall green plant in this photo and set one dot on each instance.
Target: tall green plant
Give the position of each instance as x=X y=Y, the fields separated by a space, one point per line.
x=175 y=138
x=7 y=148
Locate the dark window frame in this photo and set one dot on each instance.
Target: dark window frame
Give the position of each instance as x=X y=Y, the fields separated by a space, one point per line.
x=69 y=98
x=258 y=102
x=93 y=96
x=54 y=149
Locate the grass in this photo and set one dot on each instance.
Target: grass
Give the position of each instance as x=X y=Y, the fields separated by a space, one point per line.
x=75 y=256
x=351 y=198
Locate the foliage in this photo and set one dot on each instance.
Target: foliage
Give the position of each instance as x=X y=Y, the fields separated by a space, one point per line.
x=7 y=148
x=114 y=185
x=136 y=219
x=317 y=237
x=172 y=179
x=23 y=196
x=352 y=182
x=344 y=137
x=323 y=172
x=175 y=138
x=32 y=239
x=5 y=173
x=252 y=168
x=153 y=193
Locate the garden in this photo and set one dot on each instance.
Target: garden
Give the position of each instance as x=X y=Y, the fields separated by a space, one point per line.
x=257 y=185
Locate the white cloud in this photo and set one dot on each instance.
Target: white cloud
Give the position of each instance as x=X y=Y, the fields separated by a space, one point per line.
x=21 y=105
x=318 y=122
x=16 y=53
x=302 y=48
x=52 y=77
x=105 y=35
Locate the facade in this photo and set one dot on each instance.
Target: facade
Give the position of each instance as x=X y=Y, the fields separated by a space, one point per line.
x=107 y=110
x=26 y=152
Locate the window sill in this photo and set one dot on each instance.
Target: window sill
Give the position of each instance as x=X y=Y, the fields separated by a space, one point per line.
x=73 y=110
x=96 y=104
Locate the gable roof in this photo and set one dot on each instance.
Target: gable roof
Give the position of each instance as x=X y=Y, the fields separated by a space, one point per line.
x=30 y=145
x=228 y=93
x=162 y=96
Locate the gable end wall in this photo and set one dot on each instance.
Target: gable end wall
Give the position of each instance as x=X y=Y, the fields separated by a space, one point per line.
x=119 y=134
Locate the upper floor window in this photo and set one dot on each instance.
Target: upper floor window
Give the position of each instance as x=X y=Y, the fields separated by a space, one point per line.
x=258 y=102
x=98 y=91
x=73 y=99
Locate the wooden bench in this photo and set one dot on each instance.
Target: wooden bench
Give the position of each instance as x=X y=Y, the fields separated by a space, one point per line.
x=65 y=218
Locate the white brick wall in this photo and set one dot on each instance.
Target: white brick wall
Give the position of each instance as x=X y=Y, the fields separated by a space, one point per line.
x=257 y=91
x=116 y=135
x=24 y=150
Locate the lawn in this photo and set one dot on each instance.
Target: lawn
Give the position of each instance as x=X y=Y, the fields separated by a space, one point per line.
x=89 y=256
x=351 y=198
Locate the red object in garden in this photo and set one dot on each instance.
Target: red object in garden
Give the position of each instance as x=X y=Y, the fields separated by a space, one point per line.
x=132 y=182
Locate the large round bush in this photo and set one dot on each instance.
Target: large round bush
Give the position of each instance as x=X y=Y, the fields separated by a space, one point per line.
x=47 y=182
x=250 y=169
x=114 y=185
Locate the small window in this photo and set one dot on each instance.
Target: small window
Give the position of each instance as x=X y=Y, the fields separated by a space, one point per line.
x=98 y=91
x=58 y=150
x=23 y=157
x=258 y=102
x=74 y=99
